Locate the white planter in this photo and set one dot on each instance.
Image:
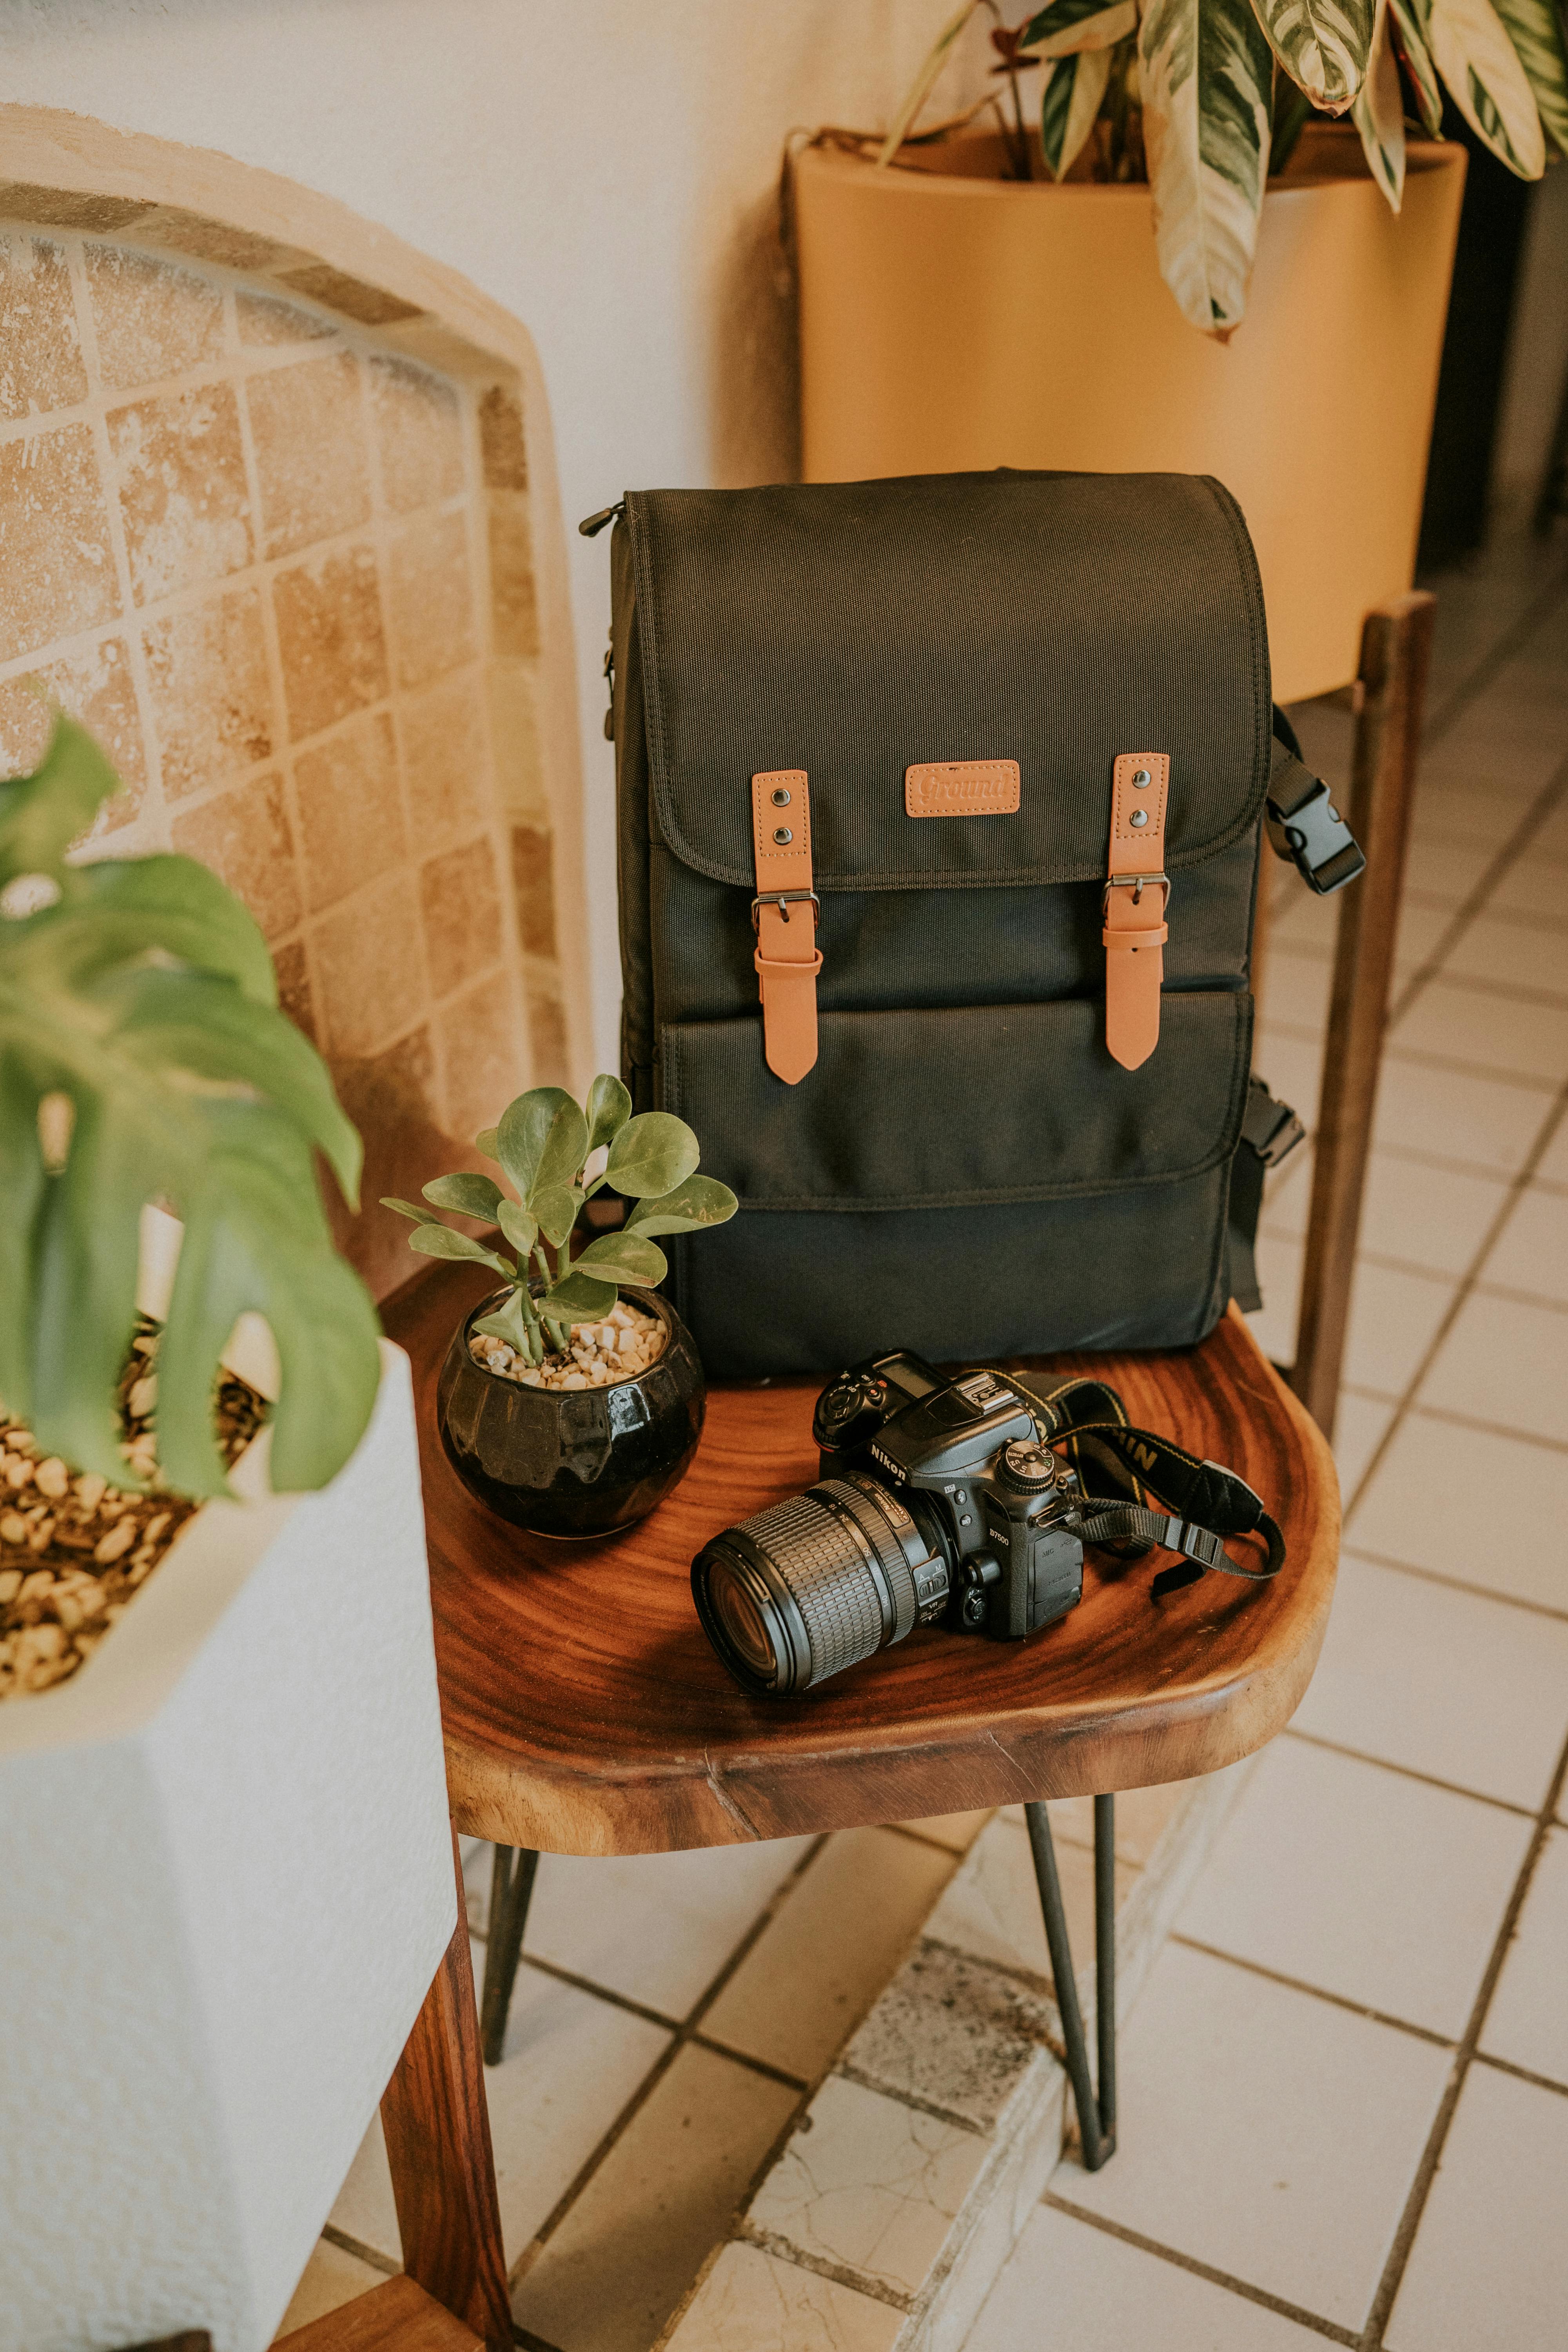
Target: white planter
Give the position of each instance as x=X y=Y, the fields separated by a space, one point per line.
x=226 y=1882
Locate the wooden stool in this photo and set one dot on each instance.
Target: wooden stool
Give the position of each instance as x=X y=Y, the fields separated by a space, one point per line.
x=584 y=1712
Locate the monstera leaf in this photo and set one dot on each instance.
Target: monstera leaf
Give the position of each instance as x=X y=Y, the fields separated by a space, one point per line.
x=1207 y=75
x=143 y=1057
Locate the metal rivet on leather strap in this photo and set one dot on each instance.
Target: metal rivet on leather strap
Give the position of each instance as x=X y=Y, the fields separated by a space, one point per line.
x=782 y=834
x=1141 y=779
x=1139 y=816
x=781 y=799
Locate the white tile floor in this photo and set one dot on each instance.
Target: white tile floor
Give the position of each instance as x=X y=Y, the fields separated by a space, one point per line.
x=1344 y=2093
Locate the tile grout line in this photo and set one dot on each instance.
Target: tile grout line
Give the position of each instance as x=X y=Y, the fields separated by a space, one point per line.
x=1408 y=1771
x=1382 y=2303
x=1519 y=2073
x=1461 y=1584
x=1513 y=641
x=1316 y=1992
x=1242 y=2288
x=681 y=2037
x=1462 y=1292
x=1513 y=848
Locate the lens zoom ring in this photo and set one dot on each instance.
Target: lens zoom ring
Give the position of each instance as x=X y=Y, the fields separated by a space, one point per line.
x=817 y=1556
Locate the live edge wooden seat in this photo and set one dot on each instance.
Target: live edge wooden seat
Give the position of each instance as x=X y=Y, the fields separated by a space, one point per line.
x=584 y=1712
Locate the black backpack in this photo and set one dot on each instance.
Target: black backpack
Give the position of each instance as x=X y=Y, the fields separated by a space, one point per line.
x=920 y=783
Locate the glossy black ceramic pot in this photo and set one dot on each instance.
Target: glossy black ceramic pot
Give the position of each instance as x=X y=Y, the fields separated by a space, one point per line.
x=573 y=1462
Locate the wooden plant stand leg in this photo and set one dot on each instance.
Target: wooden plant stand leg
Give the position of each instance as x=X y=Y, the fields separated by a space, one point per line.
x=1396 y=649
x=438 y=2147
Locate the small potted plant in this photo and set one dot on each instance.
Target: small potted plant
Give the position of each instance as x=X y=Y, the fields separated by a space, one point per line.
x=568 y=1408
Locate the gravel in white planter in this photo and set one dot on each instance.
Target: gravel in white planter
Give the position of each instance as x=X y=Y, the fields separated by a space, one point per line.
x=226 y=1882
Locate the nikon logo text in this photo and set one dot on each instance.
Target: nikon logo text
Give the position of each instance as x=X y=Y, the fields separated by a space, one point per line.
x=961 y=788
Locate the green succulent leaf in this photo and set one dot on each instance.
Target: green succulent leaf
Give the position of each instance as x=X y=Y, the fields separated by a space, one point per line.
x=652 y=1154
x=609 y=1107
x=1325 y=46
x=142 y=999
x=1537 y=32
x=1408 y=19
x=441 y=1241
x=520 y=1230
x=1206 y=77
x=556 y=1209
x=509 y=1323
x=1480 y=65
x=542 y=1142
x=488 y=1141
x=623 y=1257
x=415 y=1208
x=577 y=1299
x=468 y=1195
x=1070 y=102
x=1379 y=115
x=701 y=1201
x=1066 y=26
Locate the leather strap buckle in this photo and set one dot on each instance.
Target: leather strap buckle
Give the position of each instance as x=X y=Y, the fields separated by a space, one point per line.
x=1136 y=883
x=784 y=900
x=787 y=958
x=1134 y=935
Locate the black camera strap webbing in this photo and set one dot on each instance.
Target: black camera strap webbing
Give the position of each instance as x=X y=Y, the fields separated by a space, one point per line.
x=1210 y=1503
x=1115 y=1462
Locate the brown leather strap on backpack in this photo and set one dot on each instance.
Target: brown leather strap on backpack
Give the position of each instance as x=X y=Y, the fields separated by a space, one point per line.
x=784 y=915
x=1136 y=896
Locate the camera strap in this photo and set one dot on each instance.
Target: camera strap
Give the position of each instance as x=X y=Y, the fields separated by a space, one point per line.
x=1124 y=1473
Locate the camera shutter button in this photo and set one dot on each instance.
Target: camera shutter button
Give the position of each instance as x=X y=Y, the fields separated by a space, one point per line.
x=1028 y=1466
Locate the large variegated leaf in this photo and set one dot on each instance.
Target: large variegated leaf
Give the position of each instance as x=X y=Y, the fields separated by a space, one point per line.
x=925 y=81
x=1065 y=26
x=1408 y=19
x=1206 y=77
x=1074 y=88
x=1480 y=65
x=1536 y=30
x=1323 y=46
x=1379 y=114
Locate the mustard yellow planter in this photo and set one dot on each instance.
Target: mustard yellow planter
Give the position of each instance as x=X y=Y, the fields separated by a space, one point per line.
x=952 y=320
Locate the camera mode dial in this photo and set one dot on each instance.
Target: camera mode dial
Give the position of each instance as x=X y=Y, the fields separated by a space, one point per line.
x=1028 y=1466
x=858 y=1397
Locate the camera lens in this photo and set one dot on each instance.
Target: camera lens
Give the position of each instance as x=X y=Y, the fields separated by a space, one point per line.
x=815 y=1584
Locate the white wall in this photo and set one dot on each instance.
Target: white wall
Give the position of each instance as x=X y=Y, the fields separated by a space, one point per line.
x=606 y=168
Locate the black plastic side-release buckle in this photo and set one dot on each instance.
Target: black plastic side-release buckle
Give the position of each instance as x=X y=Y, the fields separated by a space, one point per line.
x=1305 y=826
x=1270 y=1126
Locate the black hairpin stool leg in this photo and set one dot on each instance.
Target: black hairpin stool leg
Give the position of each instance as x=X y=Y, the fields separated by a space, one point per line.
x=512 y=1874
x=1096 y=2117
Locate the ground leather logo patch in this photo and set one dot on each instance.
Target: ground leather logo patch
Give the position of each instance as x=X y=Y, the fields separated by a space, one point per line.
x=961 y=788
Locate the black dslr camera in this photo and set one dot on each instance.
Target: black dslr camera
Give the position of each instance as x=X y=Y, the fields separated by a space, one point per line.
x=939 y=1501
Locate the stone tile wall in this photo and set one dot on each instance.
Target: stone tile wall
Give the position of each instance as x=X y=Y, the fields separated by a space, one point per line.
x=284 y=574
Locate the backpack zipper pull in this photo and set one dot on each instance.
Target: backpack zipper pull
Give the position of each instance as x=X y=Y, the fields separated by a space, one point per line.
x=594 y=524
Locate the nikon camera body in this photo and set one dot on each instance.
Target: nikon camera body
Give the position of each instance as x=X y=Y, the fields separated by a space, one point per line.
x=938 y=1503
